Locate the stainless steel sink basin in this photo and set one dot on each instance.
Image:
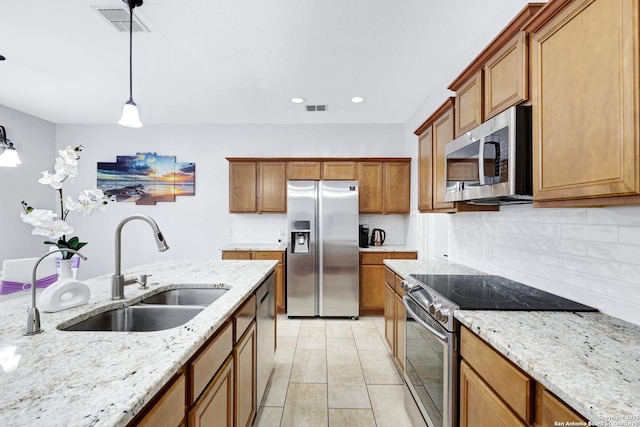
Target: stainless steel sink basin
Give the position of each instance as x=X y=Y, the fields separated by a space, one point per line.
x=186 y=296
x=138 y=318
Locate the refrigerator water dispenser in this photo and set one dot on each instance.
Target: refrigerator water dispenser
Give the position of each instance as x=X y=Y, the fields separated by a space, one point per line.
x=300 y=236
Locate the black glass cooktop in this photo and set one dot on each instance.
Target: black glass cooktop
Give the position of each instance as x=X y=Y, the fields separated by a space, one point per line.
x=486 y=292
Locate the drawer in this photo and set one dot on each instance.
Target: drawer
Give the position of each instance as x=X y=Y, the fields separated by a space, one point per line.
x=402 y=255
x=389 y=277
x=375 y=258
x=269 y=255
x=207 y=363
x=169 y=410
x=512 y=385
x=236 y=255
x=244 y=316
x=397 y=285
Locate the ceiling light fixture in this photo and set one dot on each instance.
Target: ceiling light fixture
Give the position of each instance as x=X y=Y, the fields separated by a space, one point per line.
x=357 y=99
x=130 y=116
x=8 y=154
x=297 y=100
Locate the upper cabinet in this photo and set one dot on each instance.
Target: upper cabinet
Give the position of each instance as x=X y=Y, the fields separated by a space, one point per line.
x=259 y=185
x=497 y=78
x=585 y=96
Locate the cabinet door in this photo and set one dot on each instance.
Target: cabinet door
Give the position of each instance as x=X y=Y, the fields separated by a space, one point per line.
x=397 y=183
x=469 y=105
x=339 y=170
x=169 y=410
x=425 y=172
x=370 y=179
x=300 y=170
x=371 y=289
x=442 y=134
x=585 y=102
x=242 y=186
x=281 y=307
x=236 y=255
x=400 y=331
x=244 y=357
x=272 y=187
x=505 y=77
x=215 y=406
x=389 y=319
x=550 y=409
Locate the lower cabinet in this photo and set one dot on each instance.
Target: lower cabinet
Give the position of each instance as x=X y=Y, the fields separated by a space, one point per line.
x=244 y=356
x=169 y=408
x=215 y=406
x=372 y=268
x=395 y=317
x=495 y=392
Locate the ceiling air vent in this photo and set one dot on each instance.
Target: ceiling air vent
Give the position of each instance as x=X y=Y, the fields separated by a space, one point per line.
x=118 y=17
x=316 y=108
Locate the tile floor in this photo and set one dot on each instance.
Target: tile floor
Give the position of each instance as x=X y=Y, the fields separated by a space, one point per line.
x=333 y=373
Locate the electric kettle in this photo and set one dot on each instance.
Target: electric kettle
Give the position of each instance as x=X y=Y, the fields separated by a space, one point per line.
x=377 y=237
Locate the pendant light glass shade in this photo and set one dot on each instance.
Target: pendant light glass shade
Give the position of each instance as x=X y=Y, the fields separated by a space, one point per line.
x=130 y=117
x=9 y=158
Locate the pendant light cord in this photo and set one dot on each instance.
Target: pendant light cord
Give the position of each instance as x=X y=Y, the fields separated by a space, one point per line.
x=130 y=52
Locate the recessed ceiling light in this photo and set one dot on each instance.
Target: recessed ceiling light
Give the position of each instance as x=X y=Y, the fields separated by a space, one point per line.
x=357 y=99
x=297 y=100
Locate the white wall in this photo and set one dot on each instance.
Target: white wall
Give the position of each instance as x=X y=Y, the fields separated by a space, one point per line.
x=34 y=140
x=195 y=227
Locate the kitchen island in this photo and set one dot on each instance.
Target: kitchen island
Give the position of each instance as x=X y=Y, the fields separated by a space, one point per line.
x=64 y=378
x=589 y=360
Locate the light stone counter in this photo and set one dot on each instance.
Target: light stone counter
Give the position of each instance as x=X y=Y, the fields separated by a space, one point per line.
x=389 y=248
x=68 y=378
x=269 y=247
x=589 y=360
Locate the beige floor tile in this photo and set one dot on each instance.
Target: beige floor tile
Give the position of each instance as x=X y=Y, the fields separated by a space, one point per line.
x=268 y=416
x=312 y=322
x=309 y=366
x=276 y=390
x=387 y=402
x=288 y=327
x=346 y=387
x=342 y=351
x=338 y=329
x=378 y=367
x=306 y=406
x=368 y=339
x=312 y=338
x=363 y=322
x=286 y=349
x=351 y=418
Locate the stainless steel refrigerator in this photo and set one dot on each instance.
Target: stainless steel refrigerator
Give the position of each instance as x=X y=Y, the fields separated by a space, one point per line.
x=323 y=277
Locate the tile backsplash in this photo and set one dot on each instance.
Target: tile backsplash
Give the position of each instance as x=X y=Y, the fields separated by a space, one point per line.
x=589 y=255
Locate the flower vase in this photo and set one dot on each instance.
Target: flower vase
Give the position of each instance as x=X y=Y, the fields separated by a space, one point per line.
x=66 y=292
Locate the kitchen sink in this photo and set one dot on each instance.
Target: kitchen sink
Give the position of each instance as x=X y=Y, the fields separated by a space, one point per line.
x=186 y=296
x=138 y=318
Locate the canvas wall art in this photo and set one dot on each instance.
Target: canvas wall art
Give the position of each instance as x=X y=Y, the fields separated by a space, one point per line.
x=147 y=178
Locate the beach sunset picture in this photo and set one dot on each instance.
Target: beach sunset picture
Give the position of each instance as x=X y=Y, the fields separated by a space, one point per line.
x=147 y=178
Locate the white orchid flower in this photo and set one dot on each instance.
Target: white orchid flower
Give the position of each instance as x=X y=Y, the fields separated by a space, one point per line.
x=69 y=155
x=38 y=217
x=88 y=202
x=53 y=229
x=66 y=169
x=55 y=180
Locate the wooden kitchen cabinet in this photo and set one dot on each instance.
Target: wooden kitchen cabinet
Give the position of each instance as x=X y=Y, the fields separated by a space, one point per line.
x=468 y=105
x=395 y=317
x=215 y=406
x=303 y=170
x=389 y=318
x=385 y=186
x=280 y=278
x=425 y=170
x=372 y=279
x=169 y=409
x=550 y=409
x=585 y=91
x=244 y=356
x=257 y=187
x=335 y=170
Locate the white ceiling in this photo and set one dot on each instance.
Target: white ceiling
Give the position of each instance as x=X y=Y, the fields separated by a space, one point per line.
x=240 y=61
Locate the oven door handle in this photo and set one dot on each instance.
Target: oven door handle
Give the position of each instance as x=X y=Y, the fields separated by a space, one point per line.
x=442 y=337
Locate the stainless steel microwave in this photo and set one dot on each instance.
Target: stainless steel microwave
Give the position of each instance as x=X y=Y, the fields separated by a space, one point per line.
x=491 y=164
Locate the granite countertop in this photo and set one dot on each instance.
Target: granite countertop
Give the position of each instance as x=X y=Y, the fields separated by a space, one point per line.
x=256 y=247
x=65 y=378
x=389 y=248
x=589 y=360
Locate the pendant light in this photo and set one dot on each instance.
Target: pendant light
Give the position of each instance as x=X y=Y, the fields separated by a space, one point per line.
x=8 y=154
x=130 y=117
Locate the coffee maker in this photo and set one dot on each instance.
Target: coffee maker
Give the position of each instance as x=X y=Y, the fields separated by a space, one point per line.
x=363 y=236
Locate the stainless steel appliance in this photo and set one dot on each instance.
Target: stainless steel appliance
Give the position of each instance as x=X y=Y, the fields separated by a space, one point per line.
x=322 y=264
x=378 y=236
x=431 y=365
x=363 y=236
x=491 y=164
x=266 y=334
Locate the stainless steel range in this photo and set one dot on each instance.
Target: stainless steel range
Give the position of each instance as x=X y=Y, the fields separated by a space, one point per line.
x=432 y=350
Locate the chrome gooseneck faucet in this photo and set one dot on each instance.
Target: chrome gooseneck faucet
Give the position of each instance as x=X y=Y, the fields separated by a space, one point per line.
x=118 y=281
x=33 y=315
